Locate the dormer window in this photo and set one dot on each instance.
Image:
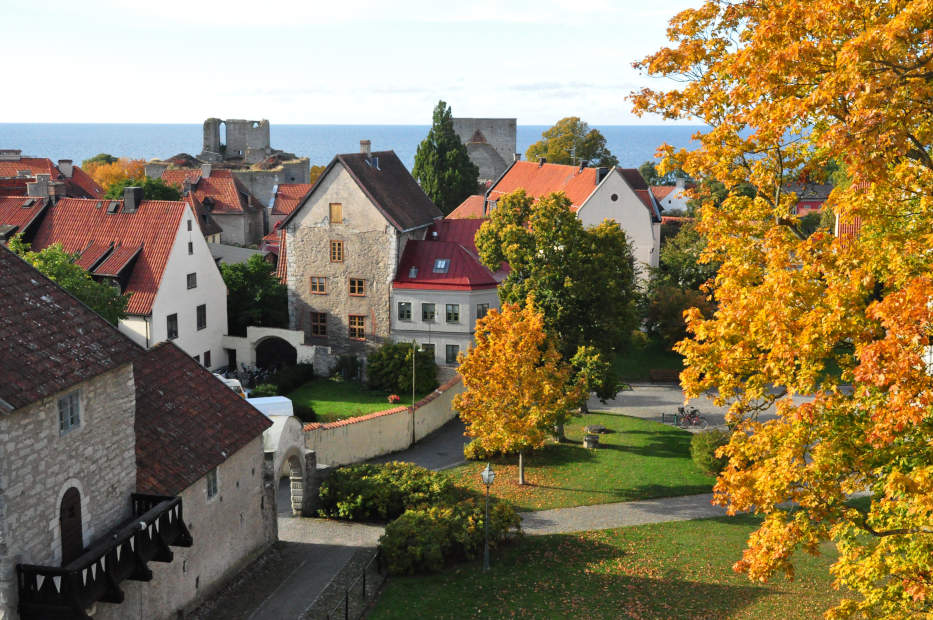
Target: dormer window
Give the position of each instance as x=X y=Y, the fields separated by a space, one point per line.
x=441 y=265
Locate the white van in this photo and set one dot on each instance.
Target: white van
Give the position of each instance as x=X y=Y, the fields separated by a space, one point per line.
x=273 y=405
x=233 y=384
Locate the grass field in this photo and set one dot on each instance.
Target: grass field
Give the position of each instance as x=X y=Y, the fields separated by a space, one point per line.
x=639 y=459
x=339 y=400
x=663 y=570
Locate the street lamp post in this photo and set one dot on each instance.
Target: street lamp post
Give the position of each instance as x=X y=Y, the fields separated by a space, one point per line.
x=413 y=354
x=488 y=476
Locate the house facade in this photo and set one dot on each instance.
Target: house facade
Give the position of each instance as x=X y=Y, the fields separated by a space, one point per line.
x=340 y=248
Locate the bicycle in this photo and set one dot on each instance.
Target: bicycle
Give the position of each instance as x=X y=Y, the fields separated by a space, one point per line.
x=690 y=416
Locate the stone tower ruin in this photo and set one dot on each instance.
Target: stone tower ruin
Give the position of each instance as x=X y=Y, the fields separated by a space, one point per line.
x=490 y=143
x=246 y=141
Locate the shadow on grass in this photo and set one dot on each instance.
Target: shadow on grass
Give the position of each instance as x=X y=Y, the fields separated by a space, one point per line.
x=650 y=491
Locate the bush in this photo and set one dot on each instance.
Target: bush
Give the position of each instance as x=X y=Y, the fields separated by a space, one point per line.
x=703 y=450
x=291 y=378
x=305 y=413
x=476 y=451
x=425 y=539
x=264 y=389
x=348 y=368
x=369 y=492
x=388 y=368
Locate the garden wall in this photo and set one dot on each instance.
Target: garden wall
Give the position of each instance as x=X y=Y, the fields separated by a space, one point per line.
x=383 y=432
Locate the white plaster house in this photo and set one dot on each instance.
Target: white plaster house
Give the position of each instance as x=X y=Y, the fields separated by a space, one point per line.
x=131 y=481
x=671 y=197
x=596 y=194
x=154 y=250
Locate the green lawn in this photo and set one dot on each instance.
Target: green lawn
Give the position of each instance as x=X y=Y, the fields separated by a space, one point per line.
x=338 y=400
x=663 y=570
x=634 y=365
x=638 y=460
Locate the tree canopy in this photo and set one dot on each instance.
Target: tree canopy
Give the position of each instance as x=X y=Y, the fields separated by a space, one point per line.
x=107 y=169
x=442 y=165
x=784 y=88
x=516 y=383
x=100 y=158
x=59 y=266
x=571 y=141
x=254 y=296
x=153 y=189
x=649 y=172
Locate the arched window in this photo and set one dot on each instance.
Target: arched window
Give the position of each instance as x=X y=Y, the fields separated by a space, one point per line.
x=69 y=521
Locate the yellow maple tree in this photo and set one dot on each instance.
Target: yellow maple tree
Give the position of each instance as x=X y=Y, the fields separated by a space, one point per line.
x=786 y=87
x=517 y=387
x=106 y=174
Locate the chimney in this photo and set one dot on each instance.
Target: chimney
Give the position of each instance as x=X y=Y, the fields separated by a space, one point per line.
x=206 y=170
x=66 y=167
x=541 y=161
x=516 y=157
x=582 y=166
x=10 y=154
x=23 y=174
x=40 y=187
x=186 y=187
x=132 y=198
x=601 y=173
x=679 y=183
x=365 y=147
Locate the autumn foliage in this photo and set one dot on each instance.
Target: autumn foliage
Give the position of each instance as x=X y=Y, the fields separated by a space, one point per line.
x=106 y=174
x=785 y=87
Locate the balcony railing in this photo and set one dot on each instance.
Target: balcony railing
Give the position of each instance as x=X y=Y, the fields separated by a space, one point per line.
x=70 y=591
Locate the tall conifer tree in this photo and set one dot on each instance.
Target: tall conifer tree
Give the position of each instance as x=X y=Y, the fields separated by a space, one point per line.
x=442 y=165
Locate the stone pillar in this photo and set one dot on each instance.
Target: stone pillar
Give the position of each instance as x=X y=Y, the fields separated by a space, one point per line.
x=314 y=477
x=270 y=521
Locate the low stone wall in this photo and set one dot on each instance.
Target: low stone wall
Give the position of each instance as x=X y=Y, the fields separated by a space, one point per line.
x=383 y=432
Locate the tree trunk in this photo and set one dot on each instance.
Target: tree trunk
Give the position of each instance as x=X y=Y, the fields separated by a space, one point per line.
x=559 y=432
x=521 y=469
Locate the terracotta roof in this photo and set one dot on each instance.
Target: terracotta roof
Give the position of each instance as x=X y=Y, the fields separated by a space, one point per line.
x=661 y=191
x=80 y=224
x=20 y=212
x=542 y=179
x=288 y=196
x=208 y=224
x=464 y=271
x=49 y=341
x=79 y=185
x=388 y=184
x=470 y=208
x=82 y=179
x=187 y=421
x=220 y=192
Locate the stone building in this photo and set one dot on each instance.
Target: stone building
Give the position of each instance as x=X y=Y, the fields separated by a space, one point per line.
x=130 y=480
x=340 y=248
x=246 y=141
x=490 y=143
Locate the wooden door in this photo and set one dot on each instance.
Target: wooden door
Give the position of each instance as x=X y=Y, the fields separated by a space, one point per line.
x=69 y=520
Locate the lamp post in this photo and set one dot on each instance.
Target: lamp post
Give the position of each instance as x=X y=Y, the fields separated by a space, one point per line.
x=488 y=476
x=413 y=354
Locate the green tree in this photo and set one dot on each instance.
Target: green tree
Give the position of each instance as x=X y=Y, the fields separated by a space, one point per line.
x=571 y=141
x=582 y=279
x=442 y=165
x=100 y=158
x=254 y=296
x=59 y=266
x=389 y=368
x=649 y=171
x=153 y=189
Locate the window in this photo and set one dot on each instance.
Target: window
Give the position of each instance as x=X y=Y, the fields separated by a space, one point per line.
x=441 y=265
x=190 y=247
x=336 y=251
x=357 y=327
x=171 y=326
x=192 y=280
x=189 y=225
x=427 y=312
x=336 y=213
x=202 y=316
x=318 y=323
x=404 y=311
x=318 y=285
x=207 y=359
x=212 y=483
x=357 y=287
x=428 y=348
x=481 y=310
x=452 y=350
x=69 y=412
x=453 y=313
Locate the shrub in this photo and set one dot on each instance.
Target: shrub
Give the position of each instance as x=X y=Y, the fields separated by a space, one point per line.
x=348 y=368
x=703 y=450
x=476 y=451
x=305 y=413
x=264 y=389
x=425 y=539
x=291 y=378
x=389 y=368
x=368 y=492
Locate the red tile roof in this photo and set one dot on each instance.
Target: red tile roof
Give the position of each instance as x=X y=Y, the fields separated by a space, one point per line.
x=80 y=223
x=288 y=196
x=14 y=213
x=542 y=179
x=464 y=270
x=208 y=224
x=187 y=421
x=220 y=192
x=661 y=191
x=82 y=179
x=32 y=165
x=79 y=185
x=463 y=232
x=470 y=208
x=49 y=341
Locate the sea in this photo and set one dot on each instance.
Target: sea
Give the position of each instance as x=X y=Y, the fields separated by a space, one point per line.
x=632 y=144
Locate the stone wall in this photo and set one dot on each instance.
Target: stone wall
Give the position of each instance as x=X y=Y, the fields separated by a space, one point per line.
x=229 y=531
x=498 y=133
x=39 y=464
x=240 y=228
x=261 y=183
x=384 y=432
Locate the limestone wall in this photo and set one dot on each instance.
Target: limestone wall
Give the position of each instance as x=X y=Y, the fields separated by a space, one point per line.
x=39 y=464
x=384 y=432
x=498 y=133
x=261 y=183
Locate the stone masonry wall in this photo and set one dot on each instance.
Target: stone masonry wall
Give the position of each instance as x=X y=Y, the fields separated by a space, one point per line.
x=38 y=465
x=500 y=133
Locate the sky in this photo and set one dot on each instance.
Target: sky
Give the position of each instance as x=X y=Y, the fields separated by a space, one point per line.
x=313 y=62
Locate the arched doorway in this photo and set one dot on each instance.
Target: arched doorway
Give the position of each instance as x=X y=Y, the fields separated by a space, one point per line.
x=291 y=488
x=69 y=521
x=273 y=353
